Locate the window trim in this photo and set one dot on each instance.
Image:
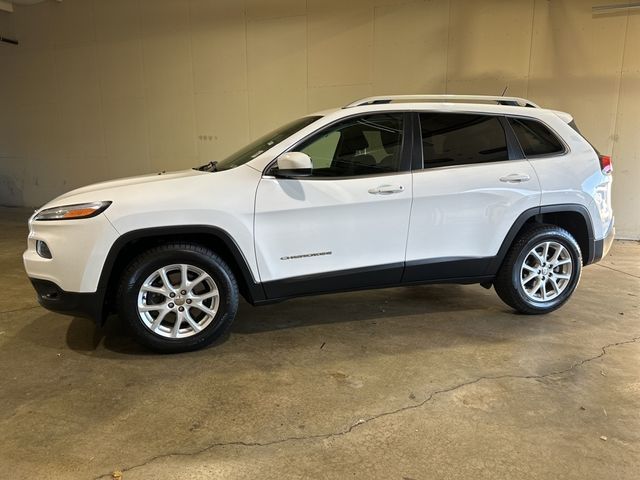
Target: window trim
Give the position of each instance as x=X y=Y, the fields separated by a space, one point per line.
x=514 y=150
x=564 y=144
x=406 y=149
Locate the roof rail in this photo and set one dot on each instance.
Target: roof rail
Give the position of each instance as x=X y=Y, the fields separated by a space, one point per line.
x=512 y=101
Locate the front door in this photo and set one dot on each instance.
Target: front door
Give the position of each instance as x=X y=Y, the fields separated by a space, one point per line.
x=345 y=226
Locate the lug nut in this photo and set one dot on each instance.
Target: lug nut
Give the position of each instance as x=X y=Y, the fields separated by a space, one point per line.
x=171 y=305
x=188 y=300
x=181 y=309
x=172 y=294
x=183 y=292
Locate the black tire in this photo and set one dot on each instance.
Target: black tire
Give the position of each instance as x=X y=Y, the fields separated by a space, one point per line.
x=508 y=283
x=143 y=266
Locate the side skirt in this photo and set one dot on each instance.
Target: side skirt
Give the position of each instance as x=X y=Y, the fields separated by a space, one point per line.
x=462 y=271
x=338 y=281
x=440 y=269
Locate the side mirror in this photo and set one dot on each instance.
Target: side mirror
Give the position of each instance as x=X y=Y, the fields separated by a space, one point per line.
x=294 y=164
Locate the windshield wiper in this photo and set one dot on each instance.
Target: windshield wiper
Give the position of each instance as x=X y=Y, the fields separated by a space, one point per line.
x=208 y=167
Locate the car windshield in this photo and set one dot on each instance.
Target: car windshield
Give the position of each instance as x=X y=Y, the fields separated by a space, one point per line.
x=264 y=143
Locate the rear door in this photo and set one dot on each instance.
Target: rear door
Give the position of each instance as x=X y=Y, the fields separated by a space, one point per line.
x=473 y=186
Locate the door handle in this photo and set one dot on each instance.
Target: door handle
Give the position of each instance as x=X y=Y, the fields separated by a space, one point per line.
x=386 y=189
x=515 y=178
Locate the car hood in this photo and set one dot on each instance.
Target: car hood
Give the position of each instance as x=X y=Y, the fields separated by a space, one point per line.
x=103 y=190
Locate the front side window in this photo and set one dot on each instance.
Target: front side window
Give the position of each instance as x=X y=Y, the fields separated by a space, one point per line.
x=535 y=138
x=367 y=145
x=460 y=138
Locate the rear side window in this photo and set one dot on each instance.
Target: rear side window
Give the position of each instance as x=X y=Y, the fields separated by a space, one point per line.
x=535 y=138
x=460 y=139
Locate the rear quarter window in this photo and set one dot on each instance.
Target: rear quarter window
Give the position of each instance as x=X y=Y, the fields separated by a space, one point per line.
x=535 y=138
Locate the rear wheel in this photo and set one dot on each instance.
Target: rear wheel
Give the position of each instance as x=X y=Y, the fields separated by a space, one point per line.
x=178 y=297
x=541 y=270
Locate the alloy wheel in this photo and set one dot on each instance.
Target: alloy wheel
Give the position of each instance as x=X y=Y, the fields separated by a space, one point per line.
x=178 y=301
x=546 y=271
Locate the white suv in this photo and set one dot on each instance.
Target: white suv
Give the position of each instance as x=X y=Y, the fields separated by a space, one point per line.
x=386 y=191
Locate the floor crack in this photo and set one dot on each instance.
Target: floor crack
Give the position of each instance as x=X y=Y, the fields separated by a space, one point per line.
x=616 y=270
x=360 y=422
x=20 y=309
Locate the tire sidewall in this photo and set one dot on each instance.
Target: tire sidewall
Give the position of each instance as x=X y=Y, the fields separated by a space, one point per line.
x=149 y=264
x=574 y=251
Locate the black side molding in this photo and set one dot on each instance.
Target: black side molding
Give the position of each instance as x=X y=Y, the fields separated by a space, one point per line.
x=338 y=281
x=446 y=269
x=527 y=215
x=442 y=270
x=524 y=217
x=589 y=256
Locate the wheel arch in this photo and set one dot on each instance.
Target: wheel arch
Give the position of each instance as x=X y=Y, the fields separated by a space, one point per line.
x=132 y=243
x=574 y=218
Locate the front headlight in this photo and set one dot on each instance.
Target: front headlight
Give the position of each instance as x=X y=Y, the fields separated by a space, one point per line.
x=72 y=212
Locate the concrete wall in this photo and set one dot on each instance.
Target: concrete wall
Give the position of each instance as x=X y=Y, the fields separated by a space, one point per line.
x=108 y=88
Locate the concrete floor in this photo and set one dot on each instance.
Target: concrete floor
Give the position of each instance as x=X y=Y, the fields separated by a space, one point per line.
x=414 y=383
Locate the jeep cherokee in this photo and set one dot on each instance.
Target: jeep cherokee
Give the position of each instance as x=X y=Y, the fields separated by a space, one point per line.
x=386 y=191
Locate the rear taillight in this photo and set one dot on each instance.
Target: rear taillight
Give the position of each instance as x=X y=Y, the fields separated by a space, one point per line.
x=605 y=164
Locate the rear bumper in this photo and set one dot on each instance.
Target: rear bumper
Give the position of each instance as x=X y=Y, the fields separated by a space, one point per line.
x=53 y=298
x=602 y=247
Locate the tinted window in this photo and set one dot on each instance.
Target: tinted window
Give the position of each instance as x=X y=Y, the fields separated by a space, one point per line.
x=364 y=145
x=460 y=138
x=535 y=138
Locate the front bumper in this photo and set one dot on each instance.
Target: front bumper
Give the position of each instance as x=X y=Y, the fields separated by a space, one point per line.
x=53 y=298
x=78 y=251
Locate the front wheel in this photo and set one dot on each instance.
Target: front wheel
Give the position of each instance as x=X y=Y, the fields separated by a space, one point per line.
x=178 y=297
x=541 y=270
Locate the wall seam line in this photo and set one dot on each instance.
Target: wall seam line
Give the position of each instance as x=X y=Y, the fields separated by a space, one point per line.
x=446 y=68
x=619 y=93
x=145 y=96
x=193 y=84
x=306 y=47
x=533 y=23
x=246 y=68
x=100 y=87
x=372 y=68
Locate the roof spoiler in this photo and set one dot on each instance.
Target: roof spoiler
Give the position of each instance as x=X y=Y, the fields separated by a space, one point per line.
x=566 y=117
x=380 y=100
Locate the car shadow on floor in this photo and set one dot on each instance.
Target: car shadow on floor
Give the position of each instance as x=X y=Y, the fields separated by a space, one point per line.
x=464 y=310
x=83 y=335
x=365 y=305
